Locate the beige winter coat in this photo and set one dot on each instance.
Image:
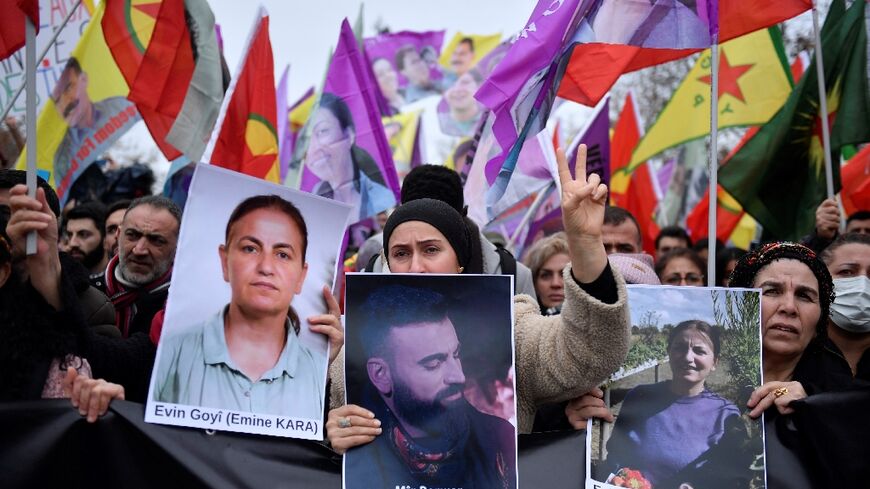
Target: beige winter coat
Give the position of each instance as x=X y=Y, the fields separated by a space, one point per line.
x=557 y=357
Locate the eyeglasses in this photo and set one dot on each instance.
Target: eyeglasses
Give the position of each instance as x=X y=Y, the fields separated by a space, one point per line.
x=687 y=279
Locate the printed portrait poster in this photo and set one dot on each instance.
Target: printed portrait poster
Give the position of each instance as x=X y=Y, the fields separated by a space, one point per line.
x=348 y=157
x=432 y=357
x=405 y=65
x=680 y=398
x=236 y=352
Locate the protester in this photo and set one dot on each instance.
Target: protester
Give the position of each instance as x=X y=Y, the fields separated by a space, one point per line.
x=701 y=245
x=547 y=258
x=347 y=172
x=137 y=278
x=114 y=217
x=681 y=266
x=726 y=260
x=671 y=237
x=677 y=431
x=839 y=360
x=247 y=356
x=85 y=226
x=441 y=183
x=621 y=232
x=557 y=357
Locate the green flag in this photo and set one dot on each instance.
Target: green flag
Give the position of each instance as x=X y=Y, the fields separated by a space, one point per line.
x=779 y=175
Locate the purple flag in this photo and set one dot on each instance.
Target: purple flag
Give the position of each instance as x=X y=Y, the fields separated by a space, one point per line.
x=284 y=143
x=521 y=89
x=596 y=137
x=405 y=65
x=348 y=158
x=664 y=175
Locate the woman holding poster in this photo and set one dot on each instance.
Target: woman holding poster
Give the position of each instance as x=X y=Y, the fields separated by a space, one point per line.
x=248 y=357
x=346 y=171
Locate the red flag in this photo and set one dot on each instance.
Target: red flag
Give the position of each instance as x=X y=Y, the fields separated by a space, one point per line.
x=12 y=24
x=594 y=67
x=151 y=45
x=856 y=182
x=247 y=138
x=633 y=192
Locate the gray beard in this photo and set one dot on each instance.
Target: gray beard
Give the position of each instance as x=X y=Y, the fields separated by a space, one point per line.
x=138 y=280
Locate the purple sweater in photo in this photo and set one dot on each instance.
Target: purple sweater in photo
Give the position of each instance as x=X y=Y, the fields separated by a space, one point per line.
x=660 y=433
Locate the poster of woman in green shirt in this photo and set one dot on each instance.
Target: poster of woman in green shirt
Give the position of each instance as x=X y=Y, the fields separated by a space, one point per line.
x=246 y=365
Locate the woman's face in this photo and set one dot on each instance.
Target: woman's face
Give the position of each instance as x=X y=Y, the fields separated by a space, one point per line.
x=388 y=79
x=692 y=357
x=790 y=307
x=681 y=271
x=850 y=260
x=262 y=261
x=549 y=284
x=418 y=247
x=329 y=149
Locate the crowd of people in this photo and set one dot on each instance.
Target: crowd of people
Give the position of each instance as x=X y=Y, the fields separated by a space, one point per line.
x=82 y=316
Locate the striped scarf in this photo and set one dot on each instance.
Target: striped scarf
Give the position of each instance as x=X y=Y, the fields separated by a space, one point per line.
x=124 y=299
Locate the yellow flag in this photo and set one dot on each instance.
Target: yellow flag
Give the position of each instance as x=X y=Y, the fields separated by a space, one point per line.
x=401 y=130
x=479 y=47
x=753 y=85
x=301 y=112
x=86 y=113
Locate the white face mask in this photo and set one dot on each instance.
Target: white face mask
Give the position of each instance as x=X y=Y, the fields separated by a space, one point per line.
x=851 y=309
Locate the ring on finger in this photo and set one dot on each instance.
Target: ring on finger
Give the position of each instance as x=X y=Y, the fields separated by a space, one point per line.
x=780 y=392
x=344 y=422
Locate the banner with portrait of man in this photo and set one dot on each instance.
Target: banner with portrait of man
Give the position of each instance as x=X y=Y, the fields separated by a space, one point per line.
x=679 y=400
x=405 y=65
x=432 y=357
x=239 y=350
x=347 y=157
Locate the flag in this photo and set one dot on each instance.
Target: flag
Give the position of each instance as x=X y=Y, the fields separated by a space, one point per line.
x=87 y=112
x=403 y=133
x=596 y=136
x=245 y=137
x=161 y=70
x=12 y=24
x=779 y=175
x=753 y=85
x=856 y=182
x=729 y=213
x=348 y=157
x=621 y=36
x=520 y=90
x=300 y=111
x=285 y=141
x=464 y=51
x=633 y=191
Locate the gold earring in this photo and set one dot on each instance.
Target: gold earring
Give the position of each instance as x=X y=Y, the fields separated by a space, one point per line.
x=460 y=269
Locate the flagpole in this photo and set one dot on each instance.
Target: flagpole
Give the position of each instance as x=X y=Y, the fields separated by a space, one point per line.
x=533 y=209
x=30 y=115
x=41 y=57
x=823 y=105
x=714 y=162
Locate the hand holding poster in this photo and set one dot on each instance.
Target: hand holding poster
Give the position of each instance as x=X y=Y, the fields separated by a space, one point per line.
x=680 y=396
x=432 y=358
x=237 y=351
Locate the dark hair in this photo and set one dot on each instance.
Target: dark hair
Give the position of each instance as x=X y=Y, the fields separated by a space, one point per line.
x=400 y=55
x=117 y=205
x=394 y=306
x=723 y=257
x=753 y=262
x=276 y=202
x=5 y=244
x=703 y=244
x=10 y=178
x=674 y=232
x=73 y=64
x=712 y=332
x=362 y=161
x=614 y=216
x=467 y=40
x=158 y=202
x=89 y=210
x=827 y=255
x=434 y=182
x=686 y=253
x=861 y=215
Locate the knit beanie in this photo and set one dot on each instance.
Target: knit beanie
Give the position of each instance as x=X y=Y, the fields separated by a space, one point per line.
x=434 y=182
x=636 y=268
x=439 y=215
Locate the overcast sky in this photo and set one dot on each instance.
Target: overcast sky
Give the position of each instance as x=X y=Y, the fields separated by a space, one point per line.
x=303 y=32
